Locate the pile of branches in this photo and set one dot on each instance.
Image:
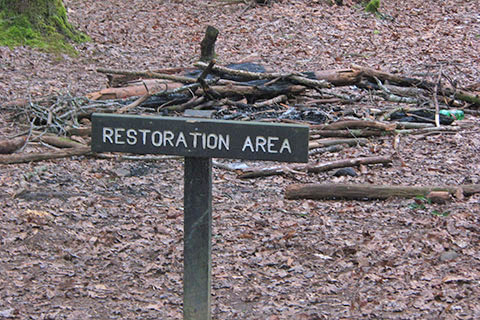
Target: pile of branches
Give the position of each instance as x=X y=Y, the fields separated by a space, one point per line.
x=236 y=94
x=244 y=91
x=219 y=88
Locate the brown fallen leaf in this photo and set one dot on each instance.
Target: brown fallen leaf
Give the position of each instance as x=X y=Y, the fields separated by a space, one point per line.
x=289 y=235
x=246 y=236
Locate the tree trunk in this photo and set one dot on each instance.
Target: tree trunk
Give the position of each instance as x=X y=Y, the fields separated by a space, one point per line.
x=39 y=23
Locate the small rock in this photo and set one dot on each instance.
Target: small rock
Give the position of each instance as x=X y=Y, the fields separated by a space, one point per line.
x=345 y=172
x=121 y=172
x=449 y=255
x=7 y=313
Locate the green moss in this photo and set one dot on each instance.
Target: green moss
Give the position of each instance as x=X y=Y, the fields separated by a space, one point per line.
x=373 y=6
x=43 y=24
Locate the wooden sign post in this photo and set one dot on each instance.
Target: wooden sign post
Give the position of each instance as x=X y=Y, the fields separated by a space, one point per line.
x=199 y=140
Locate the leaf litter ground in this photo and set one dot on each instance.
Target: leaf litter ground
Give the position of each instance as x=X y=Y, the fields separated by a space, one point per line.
x=85 y=238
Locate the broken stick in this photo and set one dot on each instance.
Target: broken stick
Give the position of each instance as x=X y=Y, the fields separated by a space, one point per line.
x=314 y=168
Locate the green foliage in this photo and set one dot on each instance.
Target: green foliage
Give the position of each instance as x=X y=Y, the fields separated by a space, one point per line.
x=373 y=6
x=441 y=214
x=421 y=203
x=37 y=171
x=41 y=25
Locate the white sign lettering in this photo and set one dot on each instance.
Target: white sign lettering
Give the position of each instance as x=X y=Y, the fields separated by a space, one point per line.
x=166 y=138
x=195 y=140
x=266 y=145
x=202 y=138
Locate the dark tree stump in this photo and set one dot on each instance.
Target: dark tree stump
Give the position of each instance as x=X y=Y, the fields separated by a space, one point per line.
x=207 y=46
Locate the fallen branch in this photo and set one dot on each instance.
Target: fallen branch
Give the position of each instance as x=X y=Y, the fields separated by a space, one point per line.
x=353 y=133
x=313 y=168
x=413 y=125
x=193 y=102
x=60 y=142
x=355 y=124
x=135 y=103
x=429 y=130
x=459 y=94
x=347 y=163
x=264 y=92
x=263 y=172
x=247 y=75
x=330 y=142
x=373 y=74
x=119 y=80
x=336 y=148
x=342 y=77
x=32 y=157
x=279 y=99
x=463 y=95
x=148 y=75
x=130 y=91
x=366 y=191
x=80 y=131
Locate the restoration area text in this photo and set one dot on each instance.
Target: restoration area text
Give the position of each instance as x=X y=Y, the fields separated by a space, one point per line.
x=192 y=140
x=203 y=138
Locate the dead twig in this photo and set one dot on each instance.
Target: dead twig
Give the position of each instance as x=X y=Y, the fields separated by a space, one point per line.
x=435 y=98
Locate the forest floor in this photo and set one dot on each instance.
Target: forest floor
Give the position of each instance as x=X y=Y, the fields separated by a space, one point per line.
x=89 y=238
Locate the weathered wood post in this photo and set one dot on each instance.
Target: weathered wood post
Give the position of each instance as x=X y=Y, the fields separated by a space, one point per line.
x=199 y=140
x=207 y=46
x=197 y=237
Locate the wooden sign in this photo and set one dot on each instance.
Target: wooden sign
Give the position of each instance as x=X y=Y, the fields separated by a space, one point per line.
x=199 y=140
x=203 y=138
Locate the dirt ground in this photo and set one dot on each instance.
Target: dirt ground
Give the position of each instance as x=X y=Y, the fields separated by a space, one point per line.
x=89 y=238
